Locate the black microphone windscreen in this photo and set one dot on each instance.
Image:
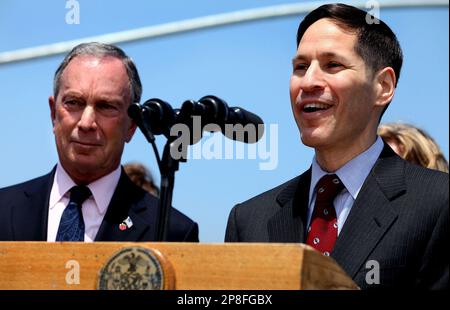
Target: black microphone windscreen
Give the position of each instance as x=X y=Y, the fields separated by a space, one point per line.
x=243 y=126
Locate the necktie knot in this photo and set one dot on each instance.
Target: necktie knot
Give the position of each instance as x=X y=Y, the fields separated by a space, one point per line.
x=79 y=194
x=328 y=187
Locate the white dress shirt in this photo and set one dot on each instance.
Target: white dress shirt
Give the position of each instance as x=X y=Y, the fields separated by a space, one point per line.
x=352 y=175
x=94 y=208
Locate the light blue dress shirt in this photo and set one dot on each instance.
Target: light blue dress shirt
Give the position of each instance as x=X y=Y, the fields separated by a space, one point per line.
x=352 y=174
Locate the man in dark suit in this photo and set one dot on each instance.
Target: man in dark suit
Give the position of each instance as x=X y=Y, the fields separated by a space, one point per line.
x=384 y=220
x=88 y=196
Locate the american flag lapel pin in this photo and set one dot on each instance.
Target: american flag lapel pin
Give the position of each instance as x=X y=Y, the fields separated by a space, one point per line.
x=126 y=223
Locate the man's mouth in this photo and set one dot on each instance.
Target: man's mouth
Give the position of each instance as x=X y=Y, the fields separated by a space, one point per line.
x=86 y=143
x=314 y=107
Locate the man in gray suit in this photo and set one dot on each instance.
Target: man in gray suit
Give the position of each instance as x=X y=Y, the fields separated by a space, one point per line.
x=384 y=220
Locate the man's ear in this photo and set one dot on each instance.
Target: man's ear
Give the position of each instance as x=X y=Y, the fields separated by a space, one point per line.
x=51 y=103
x=131 y=131
x=385 y=86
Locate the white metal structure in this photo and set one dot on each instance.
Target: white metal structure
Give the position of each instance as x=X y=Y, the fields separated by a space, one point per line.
x=200 y=23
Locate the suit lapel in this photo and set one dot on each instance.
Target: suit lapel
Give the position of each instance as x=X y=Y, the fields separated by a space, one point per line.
x=29 y=212
x=288 y=224
x=372 y=213
x=128 y=201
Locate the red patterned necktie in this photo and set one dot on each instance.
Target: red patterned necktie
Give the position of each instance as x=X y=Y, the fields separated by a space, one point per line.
x=322 y=232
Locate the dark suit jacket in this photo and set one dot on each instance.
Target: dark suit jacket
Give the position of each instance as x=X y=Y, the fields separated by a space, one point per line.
x=24 y=213
x=400 y=219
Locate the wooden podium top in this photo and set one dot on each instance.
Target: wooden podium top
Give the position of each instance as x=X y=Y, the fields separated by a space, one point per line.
x=196 y=266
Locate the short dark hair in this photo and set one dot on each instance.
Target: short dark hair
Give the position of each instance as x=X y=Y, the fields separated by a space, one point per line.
x=376 y=43
x=102 y=50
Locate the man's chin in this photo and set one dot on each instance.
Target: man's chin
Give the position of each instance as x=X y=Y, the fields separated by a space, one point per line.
x=87 y=173
x=86 y=161
x=309 y=139
x=314 y=141
x=86 y=164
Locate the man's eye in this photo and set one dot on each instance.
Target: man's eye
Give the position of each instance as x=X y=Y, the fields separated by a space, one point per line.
x=301 y=67
x=334 y=65
x=107 y=109
x=71 y=103
x=106 y=106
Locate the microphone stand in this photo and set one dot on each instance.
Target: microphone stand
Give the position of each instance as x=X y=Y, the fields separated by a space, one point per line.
x=168 y=167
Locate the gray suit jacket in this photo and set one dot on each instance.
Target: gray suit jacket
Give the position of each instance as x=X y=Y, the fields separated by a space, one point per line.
x=400 y=219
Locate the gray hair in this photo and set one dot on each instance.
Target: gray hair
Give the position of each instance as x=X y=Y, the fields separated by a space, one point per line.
x=102 y=50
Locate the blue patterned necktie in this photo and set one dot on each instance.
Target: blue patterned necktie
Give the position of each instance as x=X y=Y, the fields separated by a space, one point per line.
x=71 y=226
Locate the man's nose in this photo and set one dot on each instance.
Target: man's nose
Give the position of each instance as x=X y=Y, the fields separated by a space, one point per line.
x=88 y=119
x=313 y=79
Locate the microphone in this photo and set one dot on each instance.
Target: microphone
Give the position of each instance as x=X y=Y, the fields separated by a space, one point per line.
x=153 y=117
x=135 y=113
x=234 y=122
x=156 y=117
x=159 y=116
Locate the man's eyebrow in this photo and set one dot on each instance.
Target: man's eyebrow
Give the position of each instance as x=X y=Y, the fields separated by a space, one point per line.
x=71 y=93
x=111 y=100
x=301 y=57
x=297 y=58
x=331 y=55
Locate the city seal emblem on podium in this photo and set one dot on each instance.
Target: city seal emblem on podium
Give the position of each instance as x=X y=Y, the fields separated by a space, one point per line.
x=136 y=268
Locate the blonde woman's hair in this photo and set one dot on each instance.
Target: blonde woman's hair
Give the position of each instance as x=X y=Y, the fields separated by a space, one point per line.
x=414 y=145
x=142 y=177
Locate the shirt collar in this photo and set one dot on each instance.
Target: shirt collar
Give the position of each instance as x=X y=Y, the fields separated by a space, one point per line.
x=102 y=189
x=62 y=183
x=353 y=173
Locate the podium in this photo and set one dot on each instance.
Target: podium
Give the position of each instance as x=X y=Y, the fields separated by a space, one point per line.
x=184 y=266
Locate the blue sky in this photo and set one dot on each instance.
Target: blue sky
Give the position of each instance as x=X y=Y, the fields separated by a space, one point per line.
x=247 y=65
